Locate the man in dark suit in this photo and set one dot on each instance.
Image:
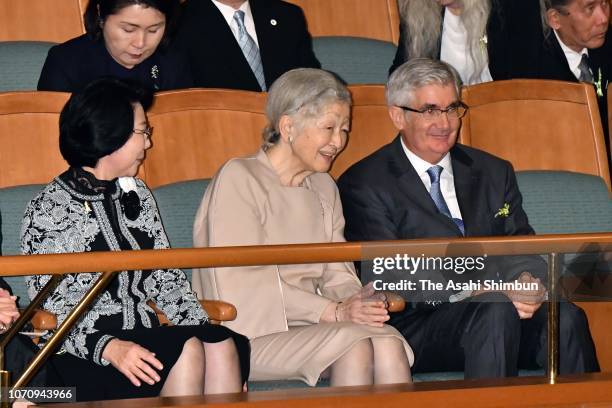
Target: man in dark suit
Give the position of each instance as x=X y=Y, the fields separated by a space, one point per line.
x=424 y=185
x=242 y=44
x=574 y=44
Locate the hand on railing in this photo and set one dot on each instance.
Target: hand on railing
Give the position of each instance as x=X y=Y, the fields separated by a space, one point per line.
x=132 y=360
x=8 y=310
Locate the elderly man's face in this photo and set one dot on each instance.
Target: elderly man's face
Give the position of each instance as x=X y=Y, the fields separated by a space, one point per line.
x=430 y=139
x=581 y=24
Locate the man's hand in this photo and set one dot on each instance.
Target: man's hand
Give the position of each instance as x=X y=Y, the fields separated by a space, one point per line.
x=134 y=361
x=527 y=302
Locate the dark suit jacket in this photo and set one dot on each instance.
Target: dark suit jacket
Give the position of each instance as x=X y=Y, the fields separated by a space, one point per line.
x=541 y=57
x=383 y=198
x=70 y=66
x=216 y=58
x=549 y=62
x=502 y=31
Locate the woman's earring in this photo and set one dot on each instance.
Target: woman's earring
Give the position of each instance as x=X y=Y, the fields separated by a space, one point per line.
x=290 y=139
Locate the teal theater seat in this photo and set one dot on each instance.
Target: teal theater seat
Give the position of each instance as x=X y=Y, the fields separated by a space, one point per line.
x=21 y=63
x=356 y=60
x=13 y=201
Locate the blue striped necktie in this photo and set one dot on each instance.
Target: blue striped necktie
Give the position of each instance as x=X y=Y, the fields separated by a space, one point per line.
x=437 y=197
x=249 y=49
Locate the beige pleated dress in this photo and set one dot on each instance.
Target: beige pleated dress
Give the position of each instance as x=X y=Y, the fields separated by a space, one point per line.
x=279 y=306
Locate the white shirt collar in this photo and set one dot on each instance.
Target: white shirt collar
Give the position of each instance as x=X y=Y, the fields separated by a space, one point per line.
x=573 y=57
x=421 y=165
x=228 y=15
x=228 y=11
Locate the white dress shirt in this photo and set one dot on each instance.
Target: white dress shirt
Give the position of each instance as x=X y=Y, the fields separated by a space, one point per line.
x=228 y=14
x=454 y=50
x=573 y=57
x=447 y=180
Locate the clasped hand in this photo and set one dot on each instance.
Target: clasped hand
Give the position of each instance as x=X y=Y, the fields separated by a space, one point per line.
x=365 y=307
x=527 y=302
x=134 y=361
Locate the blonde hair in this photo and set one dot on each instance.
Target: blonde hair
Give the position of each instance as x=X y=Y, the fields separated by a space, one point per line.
x=422 y=20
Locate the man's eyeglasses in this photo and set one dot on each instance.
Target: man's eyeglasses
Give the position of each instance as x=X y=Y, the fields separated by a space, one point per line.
x=455 y=111
x=146 y=132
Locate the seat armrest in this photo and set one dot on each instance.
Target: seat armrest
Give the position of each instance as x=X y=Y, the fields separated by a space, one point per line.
x=395 y=301
x=218 y=310
x=43 y=320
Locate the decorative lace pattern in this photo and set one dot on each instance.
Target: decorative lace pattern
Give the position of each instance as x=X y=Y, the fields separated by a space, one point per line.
x=61 y=220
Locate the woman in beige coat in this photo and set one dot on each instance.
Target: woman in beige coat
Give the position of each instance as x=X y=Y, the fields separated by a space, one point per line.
x=301 y=319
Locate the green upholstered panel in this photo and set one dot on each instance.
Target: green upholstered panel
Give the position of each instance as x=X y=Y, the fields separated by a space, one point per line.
x=561 y=202
x=178 y=203
x=13 y=201
x=356 y=60
x=21 y=63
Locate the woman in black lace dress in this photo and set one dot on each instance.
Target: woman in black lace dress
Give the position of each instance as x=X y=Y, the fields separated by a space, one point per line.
x=118 y=349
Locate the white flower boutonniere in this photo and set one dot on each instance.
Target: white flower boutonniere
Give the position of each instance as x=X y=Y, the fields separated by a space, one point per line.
x=504 y=211
x=484 y=41
x=154 y=72
x=598 y=84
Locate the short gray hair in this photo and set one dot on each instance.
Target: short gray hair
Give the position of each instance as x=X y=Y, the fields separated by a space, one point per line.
x=415 y=74
x=301 y=93
x=546 y=5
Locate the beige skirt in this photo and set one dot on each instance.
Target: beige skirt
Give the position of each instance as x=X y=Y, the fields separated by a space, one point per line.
x=304 y=352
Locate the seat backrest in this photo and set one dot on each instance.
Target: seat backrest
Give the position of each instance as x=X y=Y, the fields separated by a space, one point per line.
x=29 y=134
x=41 y=20
x=537 y=125
x=197 y=130
x=371 y=126
x=178 y=203
x=13 y=201
x=377 y=19
x=356 y=60
x=562 y=202
x=21 y=63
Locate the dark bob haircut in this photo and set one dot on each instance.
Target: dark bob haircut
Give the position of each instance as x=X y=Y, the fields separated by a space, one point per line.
x=98 y=10
x=99 y=120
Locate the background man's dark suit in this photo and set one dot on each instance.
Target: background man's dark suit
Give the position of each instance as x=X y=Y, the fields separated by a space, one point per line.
x=541 y=57
x=383 y=198
x=216 y=58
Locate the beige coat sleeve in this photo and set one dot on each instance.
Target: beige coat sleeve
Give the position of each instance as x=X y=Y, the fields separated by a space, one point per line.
x=339 y=280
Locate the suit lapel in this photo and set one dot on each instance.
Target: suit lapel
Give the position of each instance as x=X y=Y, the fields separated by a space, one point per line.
x=231 y=54
x=601 y=60
x=558 y=65
x=466 y=183
x=411 y=185
x=266 y=35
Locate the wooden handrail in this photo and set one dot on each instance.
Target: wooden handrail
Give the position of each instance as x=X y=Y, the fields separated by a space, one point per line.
x=57 y=264
x=299 y=253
